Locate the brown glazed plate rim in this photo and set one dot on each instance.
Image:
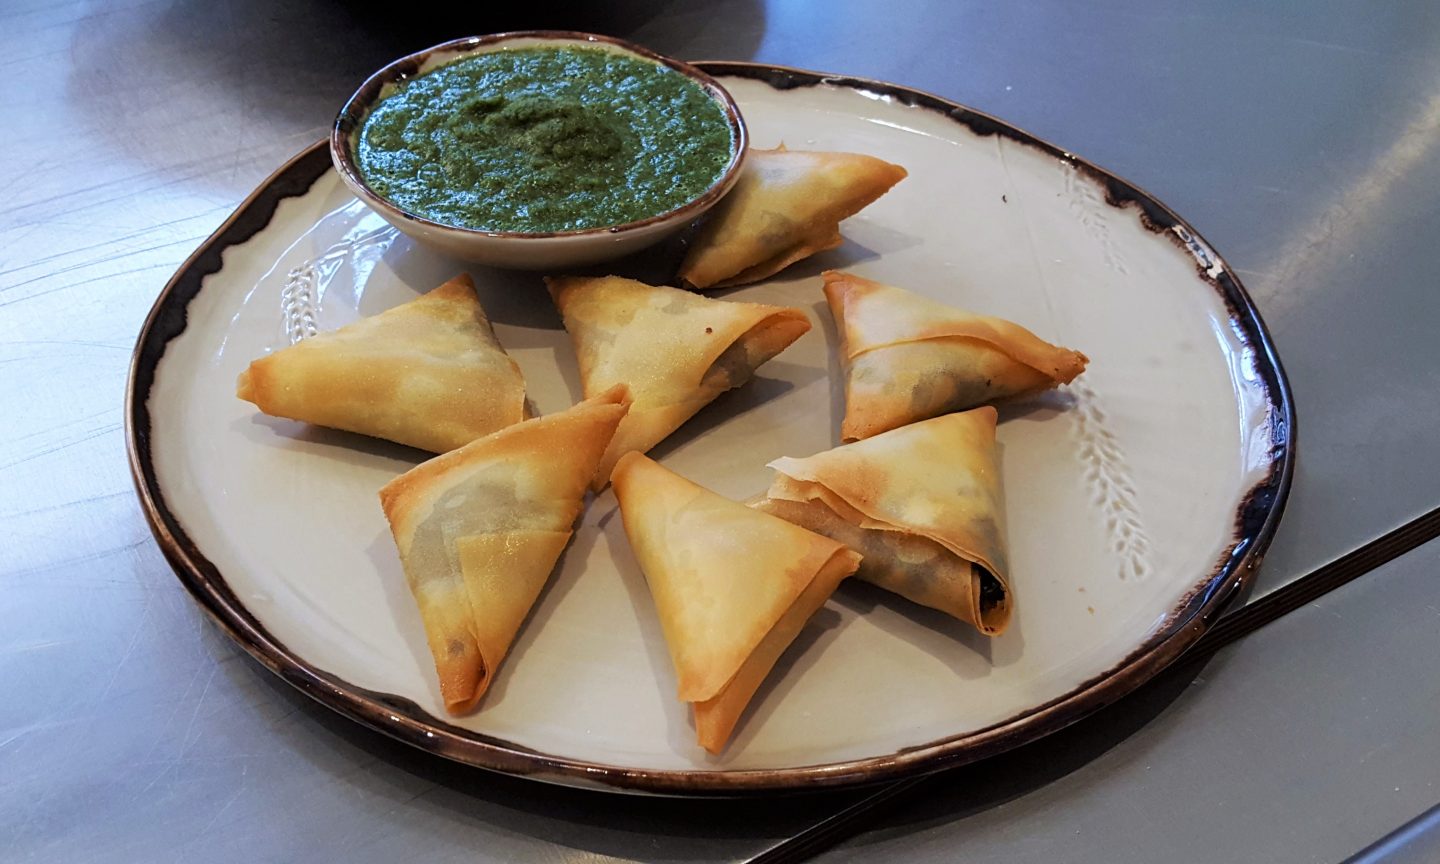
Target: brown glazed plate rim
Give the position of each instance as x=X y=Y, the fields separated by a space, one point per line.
x=352 y=115
x=1255 y=520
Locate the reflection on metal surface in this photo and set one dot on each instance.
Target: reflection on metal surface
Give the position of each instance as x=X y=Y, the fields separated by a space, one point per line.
x=1321 y=240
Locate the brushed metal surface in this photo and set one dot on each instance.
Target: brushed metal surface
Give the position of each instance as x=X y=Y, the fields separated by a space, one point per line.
x=1302 y=742
x=1301 y=140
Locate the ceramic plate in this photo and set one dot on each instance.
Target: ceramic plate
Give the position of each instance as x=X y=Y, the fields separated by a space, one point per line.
x=1138 y=499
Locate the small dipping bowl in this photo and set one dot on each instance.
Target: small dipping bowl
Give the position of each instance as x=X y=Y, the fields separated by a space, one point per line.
x=520 y=249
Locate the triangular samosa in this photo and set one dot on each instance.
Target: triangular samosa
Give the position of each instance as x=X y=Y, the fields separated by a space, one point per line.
x=674 y=349
x=922 y=503
x=479 y=530
x=787 y=205
x=733 y=586
x=908 y=357
x=428 y=373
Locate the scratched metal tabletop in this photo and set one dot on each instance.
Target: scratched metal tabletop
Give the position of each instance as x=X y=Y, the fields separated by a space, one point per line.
x=1303 y=140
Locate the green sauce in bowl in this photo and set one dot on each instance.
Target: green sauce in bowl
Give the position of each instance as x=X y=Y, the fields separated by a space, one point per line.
x=544 y=139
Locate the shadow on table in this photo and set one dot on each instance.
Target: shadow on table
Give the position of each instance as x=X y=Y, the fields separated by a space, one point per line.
x=627 y=826
x=954 y=794
x=624 y=826
x=191 y=85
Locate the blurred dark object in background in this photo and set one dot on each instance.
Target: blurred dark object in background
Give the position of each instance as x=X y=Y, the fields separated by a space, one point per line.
x=416 y=26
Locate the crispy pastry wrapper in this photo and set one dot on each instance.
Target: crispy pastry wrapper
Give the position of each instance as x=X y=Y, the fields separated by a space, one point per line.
x=428 y=373
x=479 y=530
x=786 y=206
x=908 y=358
x=922 y=503
x=675 y=350
x=732 y=586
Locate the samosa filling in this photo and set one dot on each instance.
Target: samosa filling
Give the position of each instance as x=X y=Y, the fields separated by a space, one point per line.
x=738 y=362
x=993 y=597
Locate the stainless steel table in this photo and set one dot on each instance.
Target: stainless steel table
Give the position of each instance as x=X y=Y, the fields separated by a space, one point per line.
x=1302 y=139
x=1301 y=742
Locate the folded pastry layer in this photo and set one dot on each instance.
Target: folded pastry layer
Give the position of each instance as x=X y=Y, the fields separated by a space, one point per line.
x=428 y=373
x=908 y=357
x=921 y=503
x=675 y=350
x=479 y=530
x=787 y=205
x=732 y=586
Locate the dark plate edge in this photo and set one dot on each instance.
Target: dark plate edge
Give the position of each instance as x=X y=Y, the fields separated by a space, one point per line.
x=1256 y=519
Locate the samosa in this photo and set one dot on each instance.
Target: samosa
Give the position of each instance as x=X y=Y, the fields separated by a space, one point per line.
x=922 y=503
x=908 y=357
x=675 y=350
x=786 y=206
x=479 y=530
x=428 y=373
x=733 y=586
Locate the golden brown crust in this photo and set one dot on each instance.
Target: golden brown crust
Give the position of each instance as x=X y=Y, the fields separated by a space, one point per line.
x=428 y=373
x=909 y=495
x=479 y=529
x=716 y=717
x=908 y=358
x=726 y=579
x=459 y=665
x=504 y=575
x=676 y=350
x=524 y=440
x=786 y=206
x=811 y=245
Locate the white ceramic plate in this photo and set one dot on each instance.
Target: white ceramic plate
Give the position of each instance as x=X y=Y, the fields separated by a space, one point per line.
x=1138 y=499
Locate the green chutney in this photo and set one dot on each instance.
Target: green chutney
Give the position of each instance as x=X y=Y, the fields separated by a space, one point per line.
x=544 y=139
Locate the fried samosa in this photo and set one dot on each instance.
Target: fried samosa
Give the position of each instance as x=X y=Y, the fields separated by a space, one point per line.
x=733 y=586
x=787 y=205
x=675 y=350
x=908 y=357
x=922 y=503
x=479 y=530
x=428 y=373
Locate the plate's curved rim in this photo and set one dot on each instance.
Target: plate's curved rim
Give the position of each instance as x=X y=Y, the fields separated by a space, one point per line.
x=1255 y=520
